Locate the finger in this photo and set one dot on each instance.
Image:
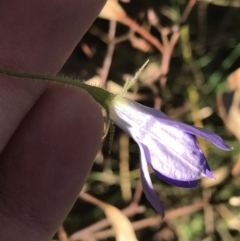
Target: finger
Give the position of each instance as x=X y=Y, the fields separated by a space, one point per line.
x=36 y=36
x=40 y=35
x=49 y=157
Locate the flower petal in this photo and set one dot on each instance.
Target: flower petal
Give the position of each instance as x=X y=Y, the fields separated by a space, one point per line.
x=208 y=135
x=177 y=178
x=172 y=152
x=188 y=184
x=148 y=189
x=205 y=134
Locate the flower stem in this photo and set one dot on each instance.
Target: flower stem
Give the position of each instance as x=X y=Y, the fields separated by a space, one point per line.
x=100 y=95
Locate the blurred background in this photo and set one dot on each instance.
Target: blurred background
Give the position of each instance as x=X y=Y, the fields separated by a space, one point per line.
x=193 y=76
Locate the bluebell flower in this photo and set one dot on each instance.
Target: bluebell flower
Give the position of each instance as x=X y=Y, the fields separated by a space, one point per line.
x=166 y=145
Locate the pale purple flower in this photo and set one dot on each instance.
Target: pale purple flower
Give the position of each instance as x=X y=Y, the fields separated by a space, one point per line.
x=168 y=146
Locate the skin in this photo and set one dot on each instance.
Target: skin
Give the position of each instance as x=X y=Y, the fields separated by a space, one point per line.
x=50 y=133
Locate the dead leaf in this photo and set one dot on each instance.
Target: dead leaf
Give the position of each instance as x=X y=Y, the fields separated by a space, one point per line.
x=219 y=174
x=140 y=44
x=112 y=11
x=234 y=201
x=120 y=223
x=229 y=102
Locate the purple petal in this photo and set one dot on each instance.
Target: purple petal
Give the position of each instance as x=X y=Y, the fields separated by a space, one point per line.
x=188 y=184
x=208 y=135
x=178 y=183
x=172 y=152
x=148 y=186
x=208 y=172
x=205 y=134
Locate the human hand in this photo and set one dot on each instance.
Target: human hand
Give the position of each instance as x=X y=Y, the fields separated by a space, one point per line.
x=50 y=133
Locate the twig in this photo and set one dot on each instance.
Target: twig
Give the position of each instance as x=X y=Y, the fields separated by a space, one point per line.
x=111 y=46
x=125 y=182
x=155 y=221
x=208 y=213
x=129 y=211
x=138 y=193
x=143 y=32
x=169 y=45
x=187 y=10
x=62 y=235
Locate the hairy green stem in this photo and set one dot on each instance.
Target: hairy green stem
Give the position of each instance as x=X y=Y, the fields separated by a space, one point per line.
x=100 y=95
